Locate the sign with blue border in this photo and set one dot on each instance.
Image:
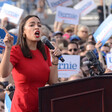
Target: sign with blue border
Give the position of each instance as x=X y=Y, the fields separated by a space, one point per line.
x=2 y=35
x=70 y=66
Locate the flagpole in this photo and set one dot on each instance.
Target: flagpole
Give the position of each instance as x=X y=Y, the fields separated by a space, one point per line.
x=104 y=9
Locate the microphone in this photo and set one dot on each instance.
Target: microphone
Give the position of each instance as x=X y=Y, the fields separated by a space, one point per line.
x=45 y=40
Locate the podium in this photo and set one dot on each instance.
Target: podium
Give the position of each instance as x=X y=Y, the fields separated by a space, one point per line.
x=93 y=94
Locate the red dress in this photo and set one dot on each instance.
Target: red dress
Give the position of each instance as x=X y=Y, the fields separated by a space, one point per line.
x=28 y=75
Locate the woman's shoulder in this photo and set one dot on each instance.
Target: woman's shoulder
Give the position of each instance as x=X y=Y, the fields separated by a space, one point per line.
x=15 y=54
x=16 y=48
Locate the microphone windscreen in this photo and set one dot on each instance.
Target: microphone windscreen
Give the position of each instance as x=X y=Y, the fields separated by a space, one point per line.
x=44 y=39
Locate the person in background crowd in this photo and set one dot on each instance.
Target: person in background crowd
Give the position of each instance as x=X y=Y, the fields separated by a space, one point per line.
x=91 y=38
x=68 y=32
x=101 y=58
x=75 y=77
x=74 y=38
x=84 y=67
x=30 y=63
x=61 y=42
x=82 y=48
x=83 y=32
x=90 y=46
x=1 y=107
x=105 y=48
x=57 y=36
x=5 y=23
x=27 y=5
x=41 y=12
x=46 y=32
x=73 y=48
x=100 y=11
x=57 y=27
x=14 y=31
x=109 y=42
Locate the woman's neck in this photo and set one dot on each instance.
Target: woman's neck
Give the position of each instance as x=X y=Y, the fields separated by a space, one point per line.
x=32 y=45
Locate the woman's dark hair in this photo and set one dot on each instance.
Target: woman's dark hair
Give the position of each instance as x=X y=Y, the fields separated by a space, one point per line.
x=22 y=41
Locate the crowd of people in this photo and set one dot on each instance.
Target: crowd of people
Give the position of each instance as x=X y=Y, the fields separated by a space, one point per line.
x=27 y=65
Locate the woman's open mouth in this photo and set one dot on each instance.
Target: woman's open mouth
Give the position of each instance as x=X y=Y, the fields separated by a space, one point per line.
x=37 y=34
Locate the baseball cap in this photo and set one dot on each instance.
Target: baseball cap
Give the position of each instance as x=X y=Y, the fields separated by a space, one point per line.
x=74 y=37
x=57 y=32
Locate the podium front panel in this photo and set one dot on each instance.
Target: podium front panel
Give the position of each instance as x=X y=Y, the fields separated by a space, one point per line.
x=81 y=102
x=49 y=96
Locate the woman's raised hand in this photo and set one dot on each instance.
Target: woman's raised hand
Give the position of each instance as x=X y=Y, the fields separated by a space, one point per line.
x=8 y=40
x=55 y=52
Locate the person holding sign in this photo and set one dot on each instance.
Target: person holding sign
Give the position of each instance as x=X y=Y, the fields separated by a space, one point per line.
x=100 y=56
x=41 y=12
x=30 y=63
x=7 y=24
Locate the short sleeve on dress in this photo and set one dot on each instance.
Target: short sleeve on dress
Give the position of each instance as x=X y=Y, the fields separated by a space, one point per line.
x=15 y=55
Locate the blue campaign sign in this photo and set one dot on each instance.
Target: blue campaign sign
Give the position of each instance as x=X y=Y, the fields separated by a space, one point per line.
x=104 y=31
x=7 y=103
x=2 y=35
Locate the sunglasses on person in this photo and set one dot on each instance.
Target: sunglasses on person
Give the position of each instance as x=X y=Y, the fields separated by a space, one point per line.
x=73 y=50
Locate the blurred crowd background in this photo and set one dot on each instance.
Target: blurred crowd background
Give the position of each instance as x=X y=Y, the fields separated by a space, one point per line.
x=71 y=39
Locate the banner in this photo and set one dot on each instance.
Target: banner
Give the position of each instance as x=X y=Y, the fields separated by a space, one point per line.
x=104 y=31
x=54 y=3
x=70 y=66
x=7 y=103
x=2 y=35
x=69 y=15
x=85 y=7
x=13 y=13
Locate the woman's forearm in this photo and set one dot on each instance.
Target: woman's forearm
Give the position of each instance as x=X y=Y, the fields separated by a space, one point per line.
x=53 y=78
x=101 y=59
x=5 y=63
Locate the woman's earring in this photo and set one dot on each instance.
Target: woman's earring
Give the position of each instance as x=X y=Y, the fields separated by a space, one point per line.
x=24 y=35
